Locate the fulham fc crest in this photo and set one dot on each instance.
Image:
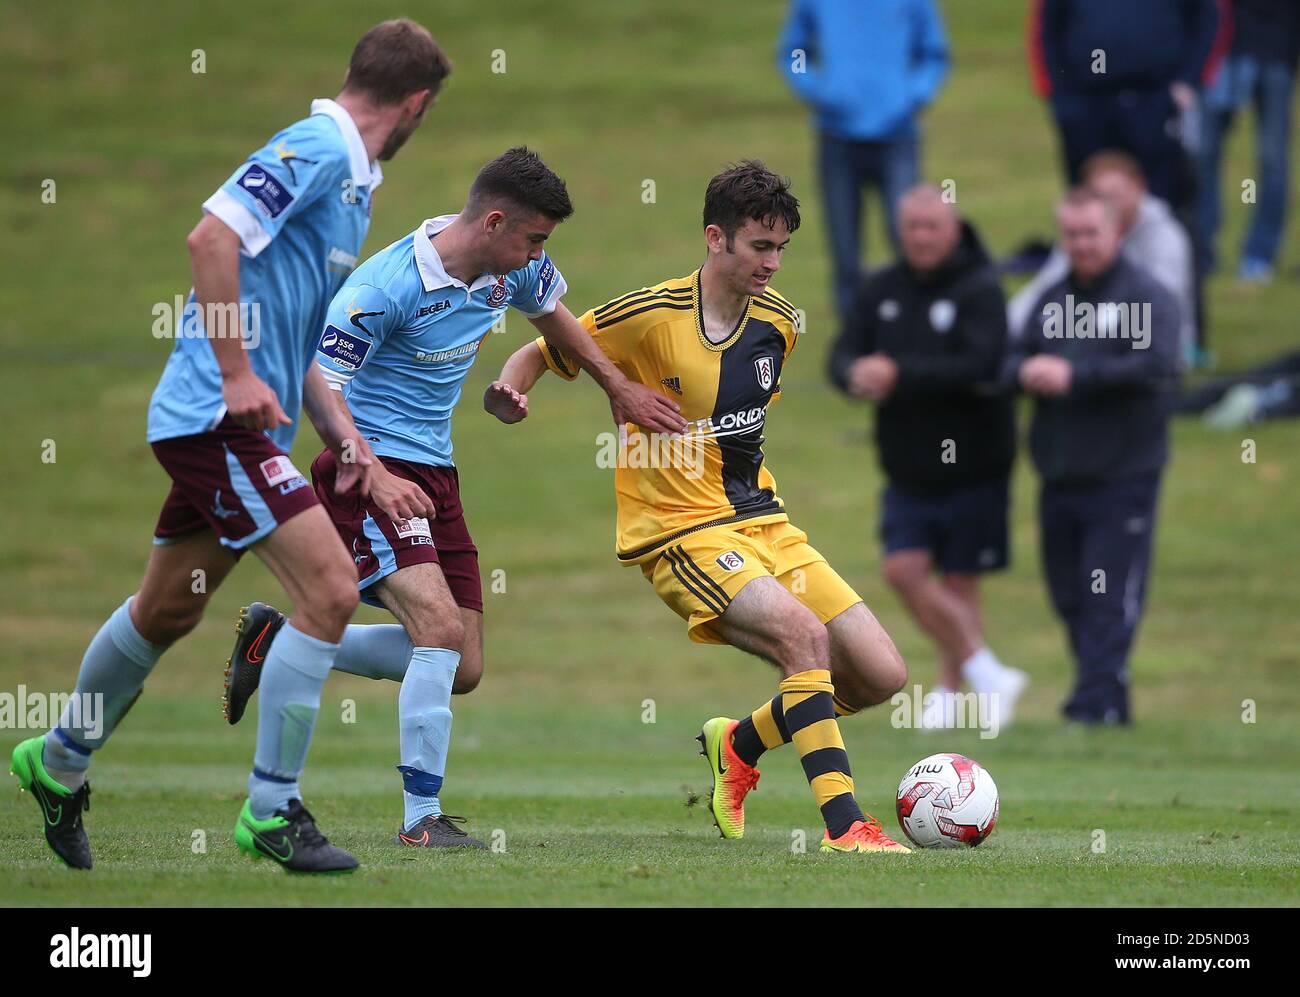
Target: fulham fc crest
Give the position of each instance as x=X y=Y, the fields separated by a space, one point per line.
x=763 y=365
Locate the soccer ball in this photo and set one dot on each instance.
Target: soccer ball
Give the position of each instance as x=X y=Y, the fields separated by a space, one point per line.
x=946 y=801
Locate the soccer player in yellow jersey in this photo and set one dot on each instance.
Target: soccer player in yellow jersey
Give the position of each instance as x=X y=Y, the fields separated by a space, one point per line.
x=699 y=513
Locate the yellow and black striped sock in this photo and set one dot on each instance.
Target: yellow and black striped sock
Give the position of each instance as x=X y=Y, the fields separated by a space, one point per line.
x=806 y=699
x=761 y=731
x=765 y=729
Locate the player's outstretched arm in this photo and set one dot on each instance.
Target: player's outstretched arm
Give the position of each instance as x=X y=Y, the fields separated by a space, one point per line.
x=629 y=401
x=214 y=261
x=507 y=396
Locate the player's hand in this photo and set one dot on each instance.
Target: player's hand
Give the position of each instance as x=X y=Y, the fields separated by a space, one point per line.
x=504 y=402
x=251 y=403
x=398 y=497
x=874 y=377
x=355 y=462
x=1184 y=95
x=1046 y=375
x=636 y=403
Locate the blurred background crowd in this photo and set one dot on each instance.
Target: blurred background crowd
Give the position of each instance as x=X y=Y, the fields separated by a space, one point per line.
x=1142 y=97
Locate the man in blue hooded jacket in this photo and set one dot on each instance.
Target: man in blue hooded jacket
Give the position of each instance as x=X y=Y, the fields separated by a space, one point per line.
x=867 y=70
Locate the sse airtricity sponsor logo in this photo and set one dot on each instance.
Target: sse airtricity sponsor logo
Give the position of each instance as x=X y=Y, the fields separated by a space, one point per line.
x=270 y=196
x=545 y=278
x=344 y=348
x=100 y=951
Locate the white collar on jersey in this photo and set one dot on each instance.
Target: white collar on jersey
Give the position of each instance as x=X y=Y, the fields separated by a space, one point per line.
x=365 y=173
x=432 y=272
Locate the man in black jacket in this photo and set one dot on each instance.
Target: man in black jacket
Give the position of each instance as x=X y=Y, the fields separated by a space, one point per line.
x=1100 y=353
x=925 y=344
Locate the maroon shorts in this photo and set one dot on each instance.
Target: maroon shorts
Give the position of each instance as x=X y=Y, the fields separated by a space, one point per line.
x=232 y=480
x=380 y=545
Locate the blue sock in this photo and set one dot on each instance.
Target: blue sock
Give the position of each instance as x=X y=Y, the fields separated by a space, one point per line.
x=288 y=701
x=112 y=674
x=374 y=651
x=424 y=717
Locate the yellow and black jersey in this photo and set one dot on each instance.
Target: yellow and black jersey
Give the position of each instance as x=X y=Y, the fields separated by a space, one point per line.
x=713 y=475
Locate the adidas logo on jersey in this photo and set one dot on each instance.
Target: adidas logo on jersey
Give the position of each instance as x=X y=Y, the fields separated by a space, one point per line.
x=673 y=384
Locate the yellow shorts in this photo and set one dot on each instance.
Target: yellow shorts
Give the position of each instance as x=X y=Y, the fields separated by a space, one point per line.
x=700 y=574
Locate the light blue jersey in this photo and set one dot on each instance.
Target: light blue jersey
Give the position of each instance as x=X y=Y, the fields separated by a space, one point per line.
x=301 y=207
x=402 y=334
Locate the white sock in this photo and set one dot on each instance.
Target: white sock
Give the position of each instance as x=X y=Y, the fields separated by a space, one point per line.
x=983 y=671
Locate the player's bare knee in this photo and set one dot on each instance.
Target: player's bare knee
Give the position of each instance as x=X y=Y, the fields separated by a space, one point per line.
x=888 y=676
x=468 y=676
x=329 y=604
x=902 y=573
x=435 y=630
x=802 y=644
x=167 y=621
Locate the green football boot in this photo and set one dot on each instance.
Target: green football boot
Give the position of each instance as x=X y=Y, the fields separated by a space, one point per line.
x=290 y=837
x=60 y=806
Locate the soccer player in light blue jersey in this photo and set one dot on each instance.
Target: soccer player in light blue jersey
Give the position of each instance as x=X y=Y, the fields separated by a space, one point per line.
x=399 y=339
x=276 y=241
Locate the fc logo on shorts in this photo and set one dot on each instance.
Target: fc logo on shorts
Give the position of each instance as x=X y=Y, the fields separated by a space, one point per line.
x=415 y=530
x=278 y=469
x=730 y=561
x=763 y=366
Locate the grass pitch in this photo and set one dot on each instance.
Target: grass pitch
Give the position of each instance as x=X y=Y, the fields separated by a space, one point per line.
x=552 y=759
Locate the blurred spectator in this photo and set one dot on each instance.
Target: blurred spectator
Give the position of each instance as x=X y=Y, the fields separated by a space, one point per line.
x=1100 y=354
x=867 y=70
x=925 y=344
x=1121 y=74
x=1152 y=238
x=1260 y=69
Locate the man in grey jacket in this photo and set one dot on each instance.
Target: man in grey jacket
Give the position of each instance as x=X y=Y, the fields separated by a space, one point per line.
x=1153 y=239
x=1100 y=354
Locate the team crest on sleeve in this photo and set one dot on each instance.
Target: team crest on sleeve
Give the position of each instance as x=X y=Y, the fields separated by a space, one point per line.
x=730 y=561
x=497 y=296
x=545 y=278
x=763 y=367
x=272 y=197
x=345 y=349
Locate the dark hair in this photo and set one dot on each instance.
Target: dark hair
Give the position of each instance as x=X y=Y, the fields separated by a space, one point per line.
x=749 y=190
x=520 y=177
x=394 y=59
